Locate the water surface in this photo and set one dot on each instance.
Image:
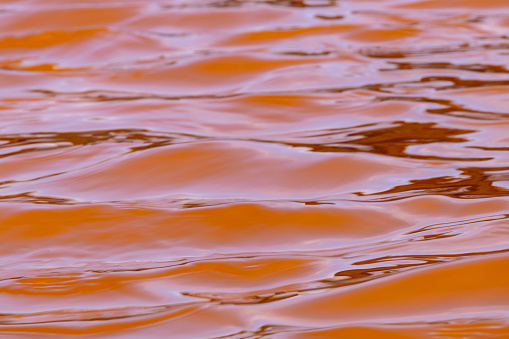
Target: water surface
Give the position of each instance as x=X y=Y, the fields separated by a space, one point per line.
x=254 y=169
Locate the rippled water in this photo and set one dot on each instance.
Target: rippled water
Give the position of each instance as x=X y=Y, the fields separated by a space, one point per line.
x=254 y=169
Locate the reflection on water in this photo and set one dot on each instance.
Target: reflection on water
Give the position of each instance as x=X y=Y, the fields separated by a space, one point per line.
x=254 y=169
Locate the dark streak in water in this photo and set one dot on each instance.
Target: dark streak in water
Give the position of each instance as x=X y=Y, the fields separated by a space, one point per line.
x=480 y=68
x=471 y=183
x=392 y=140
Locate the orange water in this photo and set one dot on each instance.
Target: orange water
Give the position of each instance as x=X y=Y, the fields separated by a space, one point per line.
x=254 y=169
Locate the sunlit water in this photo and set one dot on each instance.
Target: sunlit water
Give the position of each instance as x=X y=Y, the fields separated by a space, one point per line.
x=254 y=169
